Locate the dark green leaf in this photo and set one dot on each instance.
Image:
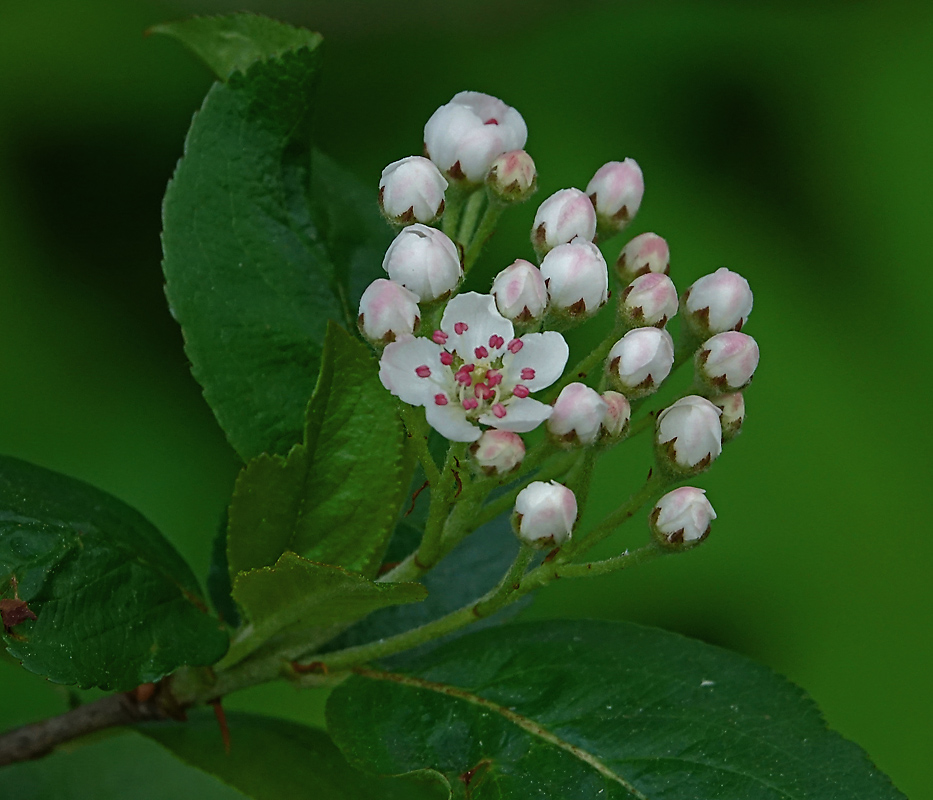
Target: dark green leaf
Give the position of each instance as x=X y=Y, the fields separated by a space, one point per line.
x=234 y=42
x=297 y=593
x=335 y=497
x=116 y=605
x=598 y=710
x=271 y=759
x=218 y=579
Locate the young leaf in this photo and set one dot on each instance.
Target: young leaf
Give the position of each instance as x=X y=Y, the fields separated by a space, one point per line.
x=597 y=709
x=297 y=593
x=236 y=41
x=270 y=759
x=334 y=498
x=116 y=605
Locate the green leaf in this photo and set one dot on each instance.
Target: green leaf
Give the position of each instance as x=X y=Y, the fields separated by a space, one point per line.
x=235 y=42
x=271 y=759
x=218 y=579
x=334 y=498
x=116 y=605
x=595 y=709
x=301 y=594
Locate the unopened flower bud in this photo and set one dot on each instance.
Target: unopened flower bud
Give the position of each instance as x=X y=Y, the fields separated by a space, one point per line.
x=513 y=177
x=717 y=303
x=578 y=414
x=726 y=362
x=545 y=514
x=688 y=435
x=649 y=300
x=564 y=216
x=576 y=277
x=640 y=361
x=497 y=452
x=681 y=518
x=465 y=136
x=520 y=293
x=733 y=414
x=412 y=190
x=617 y=416
x=425 y=261
x=388 y=311
x=646 y=253
x=616 y=191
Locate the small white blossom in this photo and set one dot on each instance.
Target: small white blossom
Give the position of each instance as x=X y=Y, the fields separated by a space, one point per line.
x=466 y=135
x=616 y=191
x=727 y=361
x=513 y=177
x=473 y=370
x=560 y=219
x=688 y=434
x=545 y=514
x=412 y=190
x=617 y=416
x=520 y=292
x=388 y=311
x=650 y=299
x=578 y=414
x=425 y=261
x=646 y=253
x=576 y=277
x=640 y=361
x=717 y=303
x=498 y=452
x=682 y=517
x=733 y=414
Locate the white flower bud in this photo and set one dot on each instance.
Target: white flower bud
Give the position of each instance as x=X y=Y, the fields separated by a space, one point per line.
x=646 y=253
x=497 y=452
x=650 y=299
x=545 y=514
x=681 y=517
x=733 y=414
x=577 y=416
x=617 y=416
x=388 y=311
x=425 y=261
x=726 y=362
x=564 y=216
x=616 y=191
x=640 y=361
x=513 y=177
x=412 y=190
x=520 y=293
x=576 y=277
x=465 y=136
x=717 y=303
x=688 y=435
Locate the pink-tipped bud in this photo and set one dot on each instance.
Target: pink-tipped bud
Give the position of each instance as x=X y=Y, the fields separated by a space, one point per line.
x=577 y=416
x=520 y=293
x=681 y=518
x=412 y=190
x=388 y=311
x=545 y=514
x=646 y=253
x=425 y=261
x=733 y=414
x=617 y=416
x=564 y=216
x=513 y=177
x=497 y=452
x=576 y=277
x=688 y=435
x=726 y=362
x=648 y=300
x=640 y=361
x=717 y=303
x=616 y=191
x=466 y=135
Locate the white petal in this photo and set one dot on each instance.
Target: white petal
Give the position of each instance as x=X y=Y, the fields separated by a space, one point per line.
x=483 y=320
x=397 y=371
x=450 y=421
x=546 y=353
x=521 y=415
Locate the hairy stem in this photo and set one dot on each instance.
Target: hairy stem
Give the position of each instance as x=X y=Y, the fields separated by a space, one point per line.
x=487 y=227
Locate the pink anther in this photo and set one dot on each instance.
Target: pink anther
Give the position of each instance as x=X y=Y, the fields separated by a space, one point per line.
x=460 y=328
x=481 y=352
x=463 y=377
x=470 y=403
x=499 y=410
x=447 y=358
x=493 y=377
x=484 y=392
x=528 y=374
x=520 y=391
x=515 y=345
x=440 y=399
x=496 y=341
x=439 y=337
x=424 y=371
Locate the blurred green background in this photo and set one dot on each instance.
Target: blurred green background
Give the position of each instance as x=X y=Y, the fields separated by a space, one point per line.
x=788 y=141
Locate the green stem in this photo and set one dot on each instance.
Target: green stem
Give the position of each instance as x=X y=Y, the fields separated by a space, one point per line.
x=510 y=582
x=643 y=555
x=487 y=227
x=449 y=485
x=417 y=427
x=470 y=217
x=453 y=206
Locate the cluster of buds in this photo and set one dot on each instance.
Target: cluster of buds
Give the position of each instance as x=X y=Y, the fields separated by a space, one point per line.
x=475 y=367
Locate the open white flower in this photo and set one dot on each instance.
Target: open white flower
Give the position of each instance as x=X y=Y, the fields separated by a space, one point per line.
x=474 y=370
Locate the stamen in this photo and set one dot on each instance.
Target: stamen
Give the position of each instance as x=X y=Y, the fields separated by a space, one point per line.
x=439 y=337
x=515 y=345
x=440 y=399
x=447 y=358
x=496 y=341
x=520 y=391
x=484 y=392
x=493 y=377
x=460 y=328
x=481 y=352
x=469 y=404
x=528 y=374
x=424 y=371
x=499 y=410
